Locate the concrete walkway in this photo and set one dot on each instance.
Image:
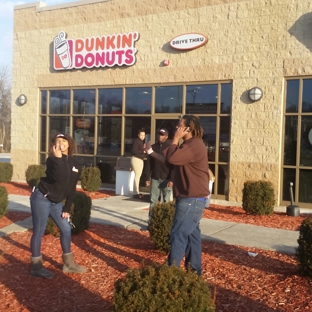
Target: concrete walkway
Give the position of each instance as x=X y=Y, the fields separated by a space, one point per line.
x=126 y=212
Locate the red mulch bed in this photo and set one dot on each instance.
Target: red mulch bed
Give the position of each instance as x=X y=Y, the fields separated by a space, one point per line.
x=267 y=282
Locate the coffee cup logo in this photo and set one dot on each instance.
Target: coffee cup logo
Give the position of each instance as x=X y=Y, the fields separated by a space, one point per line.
x=62 y=50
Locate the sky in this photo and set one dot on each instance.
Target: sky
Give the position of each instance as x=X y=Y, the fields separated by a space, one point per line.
x=6 y=27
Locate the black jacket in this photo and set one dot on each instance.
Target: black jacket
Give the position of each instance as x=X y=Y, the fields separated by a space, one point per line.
x=61 y=180
x=157 y=169
x=137 y=148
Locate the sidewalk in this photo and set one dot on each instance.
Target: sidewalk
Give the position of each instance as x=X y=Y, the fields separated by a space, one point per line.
x=126 y=212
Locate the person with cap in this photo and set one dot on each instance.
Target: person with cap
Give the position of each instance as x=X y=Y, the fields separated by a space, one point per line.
x=161 y=173
x=46 y=201
x=190 y=185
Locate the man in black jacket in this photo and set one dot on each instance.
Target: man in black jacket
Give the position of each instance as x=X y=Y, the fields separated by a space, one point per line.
x=161 y=175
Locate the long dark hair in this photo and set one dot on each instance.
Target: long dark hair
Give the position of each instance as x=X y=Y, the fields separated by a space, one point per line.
x=193 y=123
x=70 y=140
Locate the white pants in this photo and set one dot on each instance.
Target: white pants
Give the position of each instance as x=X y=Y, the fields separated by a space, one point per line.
x=137 y=166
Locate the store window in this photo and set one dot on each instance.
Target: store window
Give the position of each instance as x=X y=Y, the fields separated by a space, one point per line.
x=59 y=102
x=297 y=143
x=104 y=122
x=110 y=101
x=132 y=126
x=109 y=136
x=168 y=99
x=138 y=100
x=202 y=99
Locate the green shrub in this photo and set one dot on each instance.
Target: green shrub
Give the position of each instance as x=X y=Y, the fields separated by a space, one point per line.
x=160 y=225
x=304 y=251
x=4 y=201
x=80 y=213
x=258 y=197
x=6 y=172
x=91 y=179
x=160 y=288
x=34 y=173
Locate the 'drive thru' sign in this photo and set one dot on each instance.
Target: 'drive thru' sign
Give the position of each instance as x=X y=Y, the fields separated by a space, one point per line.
x=188 y=41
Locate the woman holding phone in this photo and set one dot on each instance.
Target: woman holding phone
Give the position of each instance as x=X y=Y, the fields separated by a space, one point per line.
x=46 y=201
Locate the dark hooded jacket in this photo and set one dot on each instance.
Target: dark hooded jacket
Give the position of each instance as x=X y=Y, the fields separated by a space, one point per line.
x=61 y=179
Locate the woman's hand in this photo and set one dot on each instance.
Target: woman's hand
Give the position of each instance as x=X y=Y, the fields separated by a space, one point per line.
x=65 y=215
x=57 y=152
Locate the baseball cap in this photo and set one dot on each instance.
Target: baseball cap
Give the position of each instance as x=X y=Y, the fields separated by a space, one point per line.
x=61 y=135
x=163 y=132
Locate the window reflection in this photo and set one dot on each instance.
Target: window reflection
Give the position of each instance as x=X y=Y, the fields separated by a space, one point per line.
x=289 y=175
x=84 y=101
x=59 y=101
x=43 y=102
x=58 y=125
x=138 y=100
x=106 y=166
x=307 y=95
x=168 y=99
x=306 y=141
x=84 y=134
x=201 y=99
x=290 y=141
x=305 y=182
x=225 y=128
x=292 y=96
x=209 y=125
x=43 y=133
x=226 y=98
x=110 y=101
x=109 y=136
x=133 y=125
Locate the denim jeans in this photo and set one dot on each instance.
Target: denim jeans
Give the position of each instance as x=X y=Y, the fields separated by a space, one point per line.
x=185 y=235
x=41 y=209
x=158 y=187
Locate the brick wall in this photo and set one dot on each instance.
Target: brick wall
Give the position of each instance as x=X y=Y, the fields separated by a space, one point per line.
x=253 y=43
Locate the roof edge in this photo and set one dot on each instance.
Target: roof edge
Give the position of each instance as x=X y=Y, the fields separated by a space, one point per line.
x=41 y=6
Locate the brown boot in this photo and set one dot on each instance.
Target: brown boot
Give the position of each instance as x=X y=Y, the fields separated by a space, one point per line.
x=70 y=266
x=38 y=270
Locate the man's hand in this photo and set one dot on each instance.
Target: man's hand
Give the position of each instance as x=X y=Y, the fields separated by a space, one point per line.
x=180 y=133
x=147 y=183
x=170 y=184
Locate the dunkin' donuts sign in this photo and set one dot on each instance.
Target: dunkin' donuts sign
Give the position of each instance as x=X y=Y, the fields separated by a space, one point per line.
x=104 y=51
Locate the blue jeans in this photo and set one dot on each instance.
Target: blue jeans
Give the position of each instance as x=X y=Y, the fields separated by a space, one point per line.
x=158 y=187
x=41 y=209
x=185 y=235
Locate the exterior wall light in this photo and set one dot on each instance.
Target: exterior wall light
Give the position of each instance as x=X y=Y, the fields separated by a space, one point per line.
x=255 y=94
x=22 y=99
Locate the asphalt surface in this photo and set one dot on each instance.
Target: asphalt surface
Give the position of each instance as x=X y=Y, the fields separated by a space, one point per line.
x=126 y=212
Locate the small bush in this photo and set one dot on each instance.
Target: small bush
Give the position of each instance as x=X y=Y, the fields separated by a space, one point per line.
x=34 y=173
x=160 y=288
x=258 y=197
x=304 y=251
x=79 y=214
x=4 y=201
x=6 y=172
x=160 y=225
x=91 y=179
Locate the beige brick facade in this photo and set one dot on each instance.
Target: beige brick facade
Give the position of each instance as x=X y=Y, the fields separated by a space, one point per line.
x=253 y=43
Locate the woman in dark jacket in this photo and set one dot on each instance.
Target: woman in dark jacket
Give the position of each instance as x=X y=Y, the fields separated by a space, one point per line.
x=137 y=161
x=46 y=201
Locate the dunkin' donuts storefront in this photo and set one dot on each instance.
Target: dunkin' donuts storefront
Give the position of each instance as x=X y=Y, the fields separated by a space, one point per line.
x=101 y=70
